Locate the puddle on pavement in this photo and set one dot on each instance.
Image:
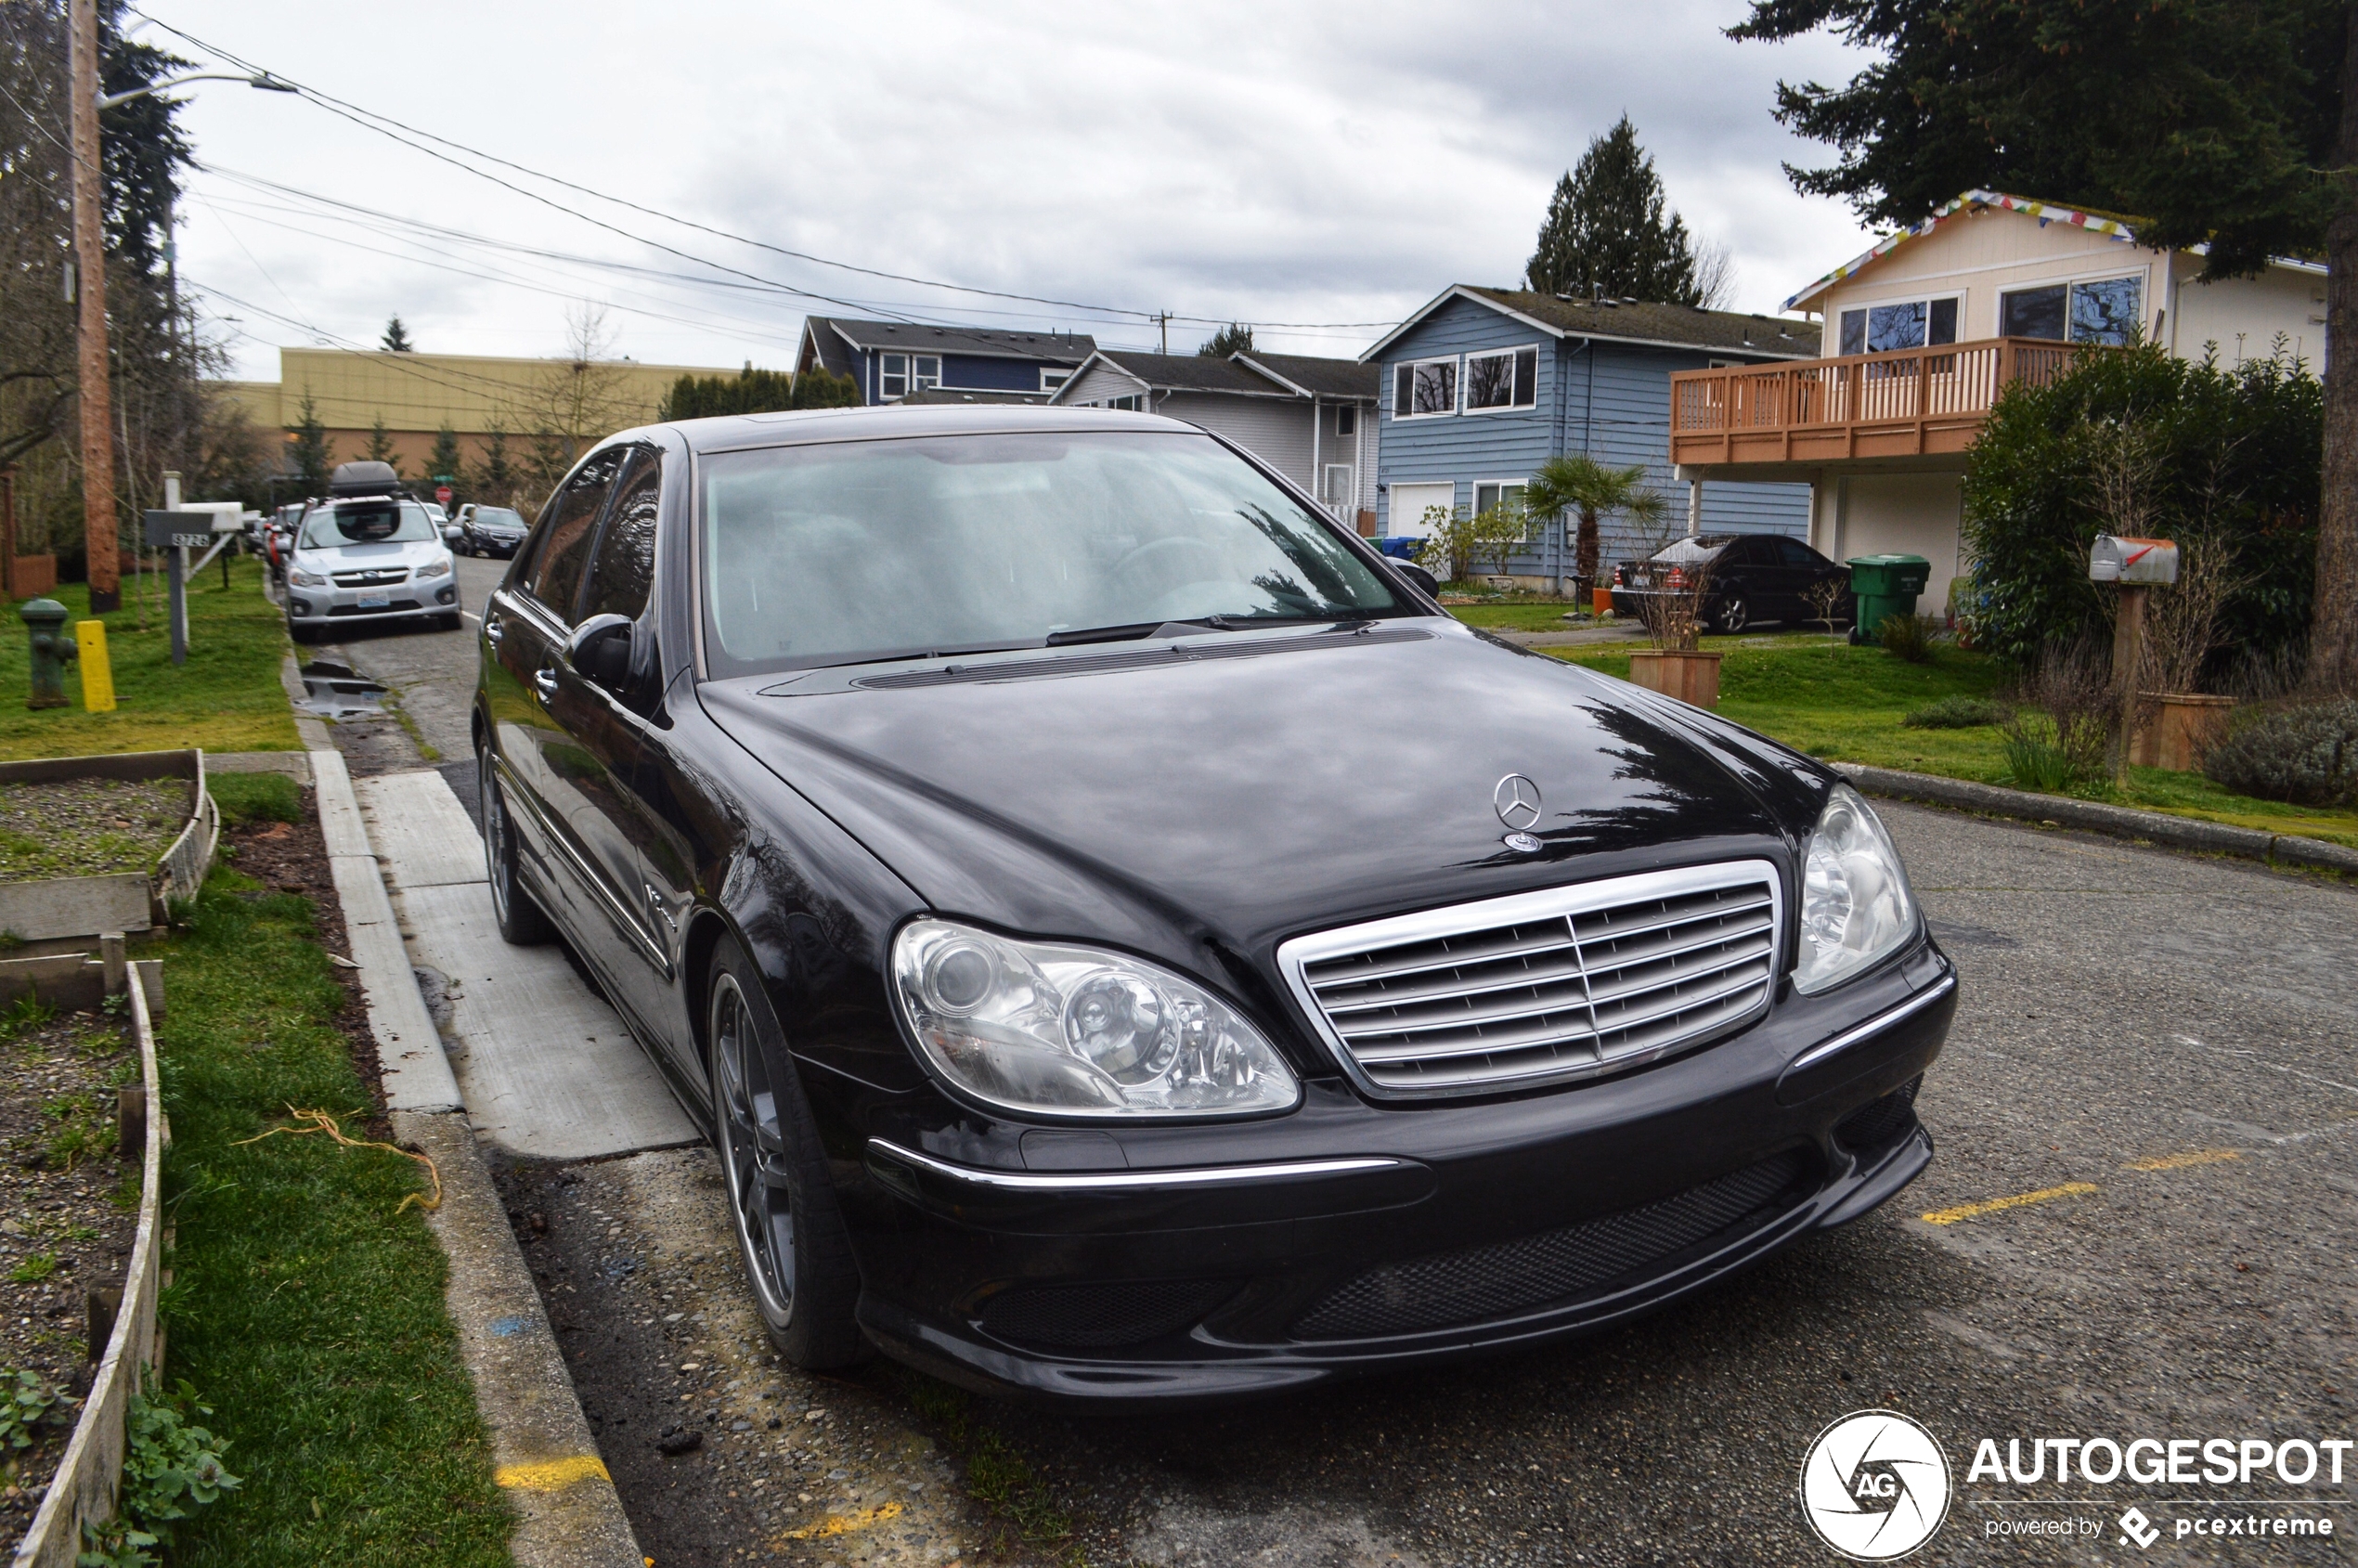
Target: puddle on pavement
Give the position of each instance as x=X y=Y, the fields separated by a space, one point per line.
x=337 y=690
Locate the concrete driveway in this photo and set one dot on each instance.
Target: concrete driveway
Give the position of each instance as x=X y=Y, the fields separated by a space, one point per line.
x=2145 y=1217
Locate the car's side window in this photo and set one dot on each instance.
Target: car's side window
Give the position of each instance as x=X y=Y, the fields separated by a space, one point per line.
x=1799 y=554
x=625 y=567
x=562 y=556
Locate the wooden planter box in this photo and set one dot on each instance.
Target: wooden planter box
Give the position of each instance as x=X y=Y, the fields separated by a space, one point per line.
x=2175 y=727
x=1691 y=678
x=32 y=577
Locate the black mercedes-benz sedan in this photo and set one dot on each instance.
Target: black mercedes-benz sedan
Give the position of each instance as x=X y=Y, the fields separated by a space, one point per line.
x=1126 y=941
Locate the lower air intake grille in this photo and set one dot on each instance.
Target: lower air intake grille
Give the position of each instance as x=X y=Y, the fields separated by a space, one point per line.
x=1542 y=986
x=1878 y=1122
x=1084 y=1317
x=1484 y=1283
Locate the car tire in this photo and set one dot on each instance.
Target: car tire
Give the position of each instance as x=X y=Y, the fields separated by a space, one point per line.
x=302 y=634
x=449 y=621
x=790 y=1231
x=1731 y=616
x=522 y=921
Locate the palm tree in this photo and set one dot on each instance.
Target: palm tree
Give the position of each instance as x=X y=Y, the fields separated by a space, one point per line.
x=1576 y=482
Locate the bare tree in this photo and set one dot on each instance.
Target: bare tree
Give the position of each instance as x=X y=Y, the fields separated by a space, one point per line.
x=573 y=402
x=1715 y=275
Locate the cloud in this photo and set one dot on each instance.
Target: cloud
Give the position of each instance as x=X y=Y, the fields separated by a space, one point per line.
x=1313 y=162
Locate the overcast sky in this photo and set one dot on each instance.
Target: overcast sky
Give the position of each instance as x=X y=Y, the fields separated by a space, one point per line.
x=1332 y=166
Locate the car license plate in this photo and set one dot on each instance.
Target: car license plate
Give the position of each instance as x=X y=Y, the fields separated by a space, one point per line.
x=376 y=601
x=1641 y=581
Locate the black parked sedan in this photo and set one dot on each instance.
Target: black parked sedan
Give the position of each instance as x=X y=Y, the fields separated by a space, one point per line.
x=490 y=530
x=1747 y=578
x=1126 y=942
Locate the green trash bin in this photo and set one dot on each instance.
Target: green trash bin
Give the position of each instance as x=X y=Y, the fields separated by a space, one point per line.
x=1885 y=585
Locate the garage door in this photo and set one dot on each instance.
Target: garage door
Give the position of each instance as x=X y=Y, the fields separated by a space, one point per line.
x=1408 y=504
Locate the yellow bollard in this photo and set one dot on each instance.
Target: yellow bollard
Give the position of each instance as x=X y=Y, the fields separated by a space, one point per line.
x=98 y=675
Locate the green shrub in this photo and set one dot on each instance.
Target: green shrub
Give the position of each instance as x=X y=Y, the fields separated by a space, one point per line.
x=2048 y=757
x=1958 y=713
x=2307 y=755
x=247 y=797
x=1907 y=637
x=2233 y=456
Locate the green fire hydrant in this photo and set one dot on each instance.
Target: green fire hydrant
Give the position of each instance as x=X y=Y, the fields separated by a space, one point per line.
x=52 y=647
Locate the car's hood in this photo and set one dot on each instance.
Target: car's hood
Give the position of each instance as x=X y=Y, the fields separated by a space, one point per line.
x=1172 y=802
x=374 y=557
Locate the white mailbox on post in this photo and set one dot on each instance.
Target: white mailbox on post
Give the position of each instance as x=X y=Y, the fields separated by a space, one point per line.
x=2141 y=562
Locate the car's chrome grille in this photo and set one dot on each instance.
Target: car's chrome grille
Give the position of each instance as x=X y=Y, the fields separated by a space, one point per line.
x=1543 y=986
x=372 y=577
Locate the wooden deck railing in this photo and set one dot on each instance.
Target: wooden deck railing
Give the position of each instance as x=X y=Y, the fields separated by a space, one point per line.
x=1909 y=403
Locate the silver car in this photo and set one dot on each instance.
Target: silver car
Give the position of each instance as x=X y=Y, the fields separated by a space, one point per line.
x=369 y=558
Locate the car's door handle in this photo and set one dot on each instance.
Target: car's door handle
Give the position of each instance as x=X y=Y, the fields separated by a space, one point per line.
x=546 y=682
x=494 y=632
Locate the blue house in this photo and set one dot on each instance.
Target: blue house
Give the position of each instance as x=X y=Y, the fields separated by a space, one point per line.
x=1482 y=385
x=892 y=360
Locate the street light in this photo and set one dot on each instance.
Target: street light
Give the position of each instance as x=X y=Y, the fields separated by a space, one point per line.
x=90 y=296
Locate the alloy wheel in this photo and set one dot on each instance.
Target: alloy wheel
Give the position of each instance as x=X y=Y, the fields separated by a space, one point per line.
x=496 y=852
x=1734 y=615
x=752 y=1150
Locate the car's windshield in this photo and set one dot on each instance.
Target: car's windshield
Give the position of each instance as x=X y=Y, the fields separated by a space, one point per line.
x=869 y=550
x=498 y=517
x=368 y=523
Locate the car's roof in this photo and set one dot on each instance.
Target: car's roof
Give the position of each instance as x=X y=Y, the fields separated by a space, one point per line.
x=735 y=431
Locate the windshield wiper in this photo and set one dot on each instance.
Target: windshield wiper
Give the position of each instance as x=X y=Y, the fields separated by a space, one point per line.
x=1133 y=631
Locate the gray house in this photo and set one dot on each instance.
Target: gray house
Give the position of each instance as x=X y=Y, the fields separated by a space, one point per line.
x=1482 y=385
x=1310 y=419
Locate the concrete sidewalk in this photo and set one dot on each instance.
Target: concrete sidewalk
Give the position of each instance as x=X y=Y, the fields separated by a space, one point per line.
x=545 y=1067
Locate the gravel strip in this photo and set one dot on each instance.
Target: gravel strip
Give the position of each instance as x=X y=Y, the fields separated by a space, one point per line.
x=88 y=827
x=68 y=1208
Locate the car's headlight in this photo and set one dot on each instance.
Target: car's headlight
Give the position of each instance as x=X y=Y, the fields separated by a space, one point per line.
x=1056 y=1029
x=433 y=568
x=1855 y=907
x=307 y=579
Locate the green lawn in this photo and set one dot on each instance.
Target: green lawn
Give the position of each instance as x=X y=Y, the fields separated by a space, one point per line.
x=1539 y=614
x=1845 y=703
x=306 y=1312
x=225 y=698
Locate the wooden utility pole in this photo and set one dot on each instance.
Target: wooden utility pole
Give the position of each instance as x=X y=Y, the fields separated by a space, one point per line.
x=96 y=413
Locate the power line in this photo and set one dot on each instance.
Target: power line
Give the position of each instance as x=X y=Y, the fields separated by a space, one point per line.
x=371 y=120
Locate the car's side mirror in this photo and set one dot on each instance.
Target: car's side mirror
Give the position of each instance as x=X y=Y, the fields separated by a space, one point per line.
x=1418 y=576
x=599 y=649
x=452 y=533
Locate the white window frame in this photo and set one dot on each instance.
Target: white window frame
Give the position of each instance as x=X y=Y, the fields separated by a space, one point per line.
x=1051 y=379
x=2069 y=282
x=1130 y=403
x=1345 y=493
x=1501 y=485
x=1465 y=381
x=911 y=375
x=1926 y=300
x=1457 y=386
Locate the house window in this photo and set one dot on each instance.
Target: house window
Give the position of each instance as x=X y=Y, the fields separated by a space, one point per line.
x=900 y=374
x=1051 y=380
x=1491 y=493
x=1336 y=487
x=1508 y=379
x=2104 y=310
x=1424 y=388
x=1879 y=329
x=1347 y=419
x=1134 y=403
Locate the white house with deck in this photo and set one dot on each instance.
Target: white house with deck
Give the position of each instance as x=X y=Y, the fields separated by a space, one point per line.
x=1922 y=332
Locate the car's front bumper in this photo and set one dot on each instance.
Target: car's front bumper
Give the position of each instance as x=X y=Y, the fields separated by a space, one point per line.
x=1205 y=1263
x=342 y=606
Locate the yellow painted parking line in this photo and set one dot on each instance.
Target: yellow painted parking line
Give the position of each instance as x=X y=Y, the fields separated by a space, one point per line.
x=1975 y=1211
x=2179 y=1161
x=552 y=1475
x=844 y=1524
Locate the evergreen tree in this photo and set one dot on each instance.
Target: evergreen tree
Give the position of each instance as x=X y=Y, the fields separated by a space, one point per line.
x=380 y=446
x=1608 y=230
x=494 y=480
x=312 y=454
x=396 y=338
x=821 y=388
x=757 y=392
x=446 y=461
x=1233 y=338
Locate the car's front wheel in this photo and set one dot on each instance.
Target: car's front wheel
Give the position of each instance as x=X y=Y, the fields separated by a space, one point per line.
x=1732 y=615
x=522 y=923
x=781 y=1200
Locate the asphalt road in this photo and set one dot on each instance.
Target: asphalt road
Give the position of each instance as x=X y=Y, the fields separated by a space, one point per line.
x=2150 y=1083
